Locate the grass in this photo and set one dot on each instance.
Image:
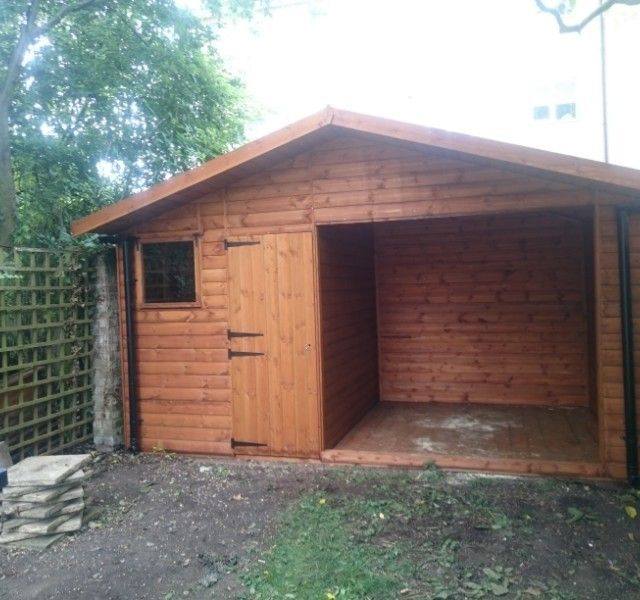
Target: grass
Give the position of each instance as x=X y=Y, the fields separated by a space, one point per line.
x=317 y=556
x=367 y=534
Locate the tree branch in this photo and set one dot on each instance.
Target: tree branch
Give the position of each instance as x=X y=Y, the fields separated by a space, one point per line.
x=30 y=32
x=15 y=60
x=578 y=27
x=63 y=12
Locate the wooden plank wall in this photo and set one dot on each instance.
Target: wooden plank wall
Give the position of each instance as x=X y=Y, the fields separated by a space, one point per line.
x=369 y=181
x=184 y=384
x=609 y=330
x=183 y=370
x=275 y=395
x=348 y=326
x=484 y=309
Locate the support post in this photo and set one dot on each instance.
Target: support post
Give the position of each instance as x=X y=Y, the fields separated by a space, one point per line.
x=128 y=245
x=107 y=388
x=628 y=358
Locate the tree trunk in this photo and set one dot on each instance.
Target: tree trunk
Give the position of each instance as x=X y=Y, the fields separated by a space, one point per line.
x=7 y=183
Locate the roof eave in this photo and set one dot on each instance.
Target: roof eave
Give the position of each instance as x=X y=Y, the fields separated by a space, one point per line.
x=589 y=171
x=103 y=220
x=117 y=217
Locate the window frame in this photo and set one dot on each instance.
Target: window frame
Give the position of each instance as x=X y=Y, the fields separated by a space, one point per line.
x=140 y=297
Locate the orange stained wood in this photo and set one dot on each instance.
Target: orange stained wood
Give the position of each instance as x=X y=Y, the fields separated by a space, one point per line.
x=355 y=177
x=348 y=325
x=516 y=439
x=612 y=425
x=184 y=389
x=329 y=123
x=247 y=320
x=274 y=394
x=485 y=309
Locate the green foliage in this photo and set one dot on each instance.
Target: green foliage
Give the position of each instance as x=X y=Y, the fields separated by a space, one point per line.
x=315 y=557
x=369 y=535
x=117 y=96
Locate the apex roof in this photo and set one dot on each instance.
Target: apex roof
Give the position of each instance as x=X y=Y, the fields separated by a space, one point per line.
x=300 y=135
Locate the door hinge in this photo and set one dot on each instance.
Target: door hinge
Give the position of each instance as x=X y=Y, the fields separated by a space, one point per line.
x=239 y=443
x=234 y=244
x=239 y=334
x=235 y=353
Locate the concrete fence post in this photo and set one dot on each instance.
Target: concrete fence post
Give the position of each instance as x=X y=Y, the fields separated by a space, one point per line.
x=107 y=406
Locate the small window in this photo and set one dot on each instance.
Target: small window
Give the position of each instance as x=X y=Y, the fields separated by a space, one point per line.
x=566 y=111
x=540 y=113
x=168 y=272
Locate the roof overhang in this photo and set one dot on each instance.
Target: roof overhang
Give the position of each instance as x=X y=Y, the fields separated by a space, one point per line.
x=303 y=134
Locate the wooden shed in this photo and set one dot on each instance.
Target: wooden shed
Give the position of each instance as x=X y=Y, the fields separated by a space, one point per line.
x=358 y=290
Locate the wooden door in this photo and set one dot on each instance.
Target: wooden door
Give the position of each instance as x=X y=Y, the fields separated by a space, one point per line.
x=273 y=345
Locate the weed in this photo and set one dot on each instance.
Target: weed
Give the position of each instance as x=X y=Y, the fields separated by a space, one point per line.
x=315 y=557
x=373 y=535
x=576 y=515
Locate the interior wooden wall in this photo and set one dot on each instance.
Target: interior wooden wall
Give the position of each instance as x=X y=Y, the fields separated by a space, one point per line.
x=348 y=327
x=484 y=309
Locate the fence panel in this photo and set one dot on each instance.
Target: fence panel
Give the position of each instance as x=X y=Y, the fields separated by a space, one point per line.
x=46 y=308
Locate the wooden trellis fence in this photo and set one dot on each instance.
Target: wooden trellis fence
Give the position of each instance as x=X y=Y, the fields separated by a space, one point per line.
x=46 y=307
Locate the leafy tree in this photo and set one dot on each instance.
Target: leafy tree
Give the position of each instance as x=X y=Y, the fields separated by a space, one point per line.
x=99 y=98
x=559 y=9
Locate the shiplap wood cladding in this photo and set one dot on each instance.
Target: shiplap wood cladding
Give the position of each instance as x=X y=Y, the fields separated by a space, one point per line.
x=274 y=386
x=348 y=326
x=484 y=309
x=508 y=267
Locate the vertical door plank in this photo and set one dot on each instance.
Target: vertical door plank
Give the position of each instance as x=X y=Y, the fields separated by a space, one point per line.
x=250 y=392
x=272 y=318
x=275 y=397
x=306 y=391
x=287 y=262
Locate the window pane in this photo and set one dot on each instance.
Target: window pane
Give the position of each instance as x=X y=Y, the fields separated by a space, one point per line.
x=169 y=272
x=566 y=111
x=540 y=112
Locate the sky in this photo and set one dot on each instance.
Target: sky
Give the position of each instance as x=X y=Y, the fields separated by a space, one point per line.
x=478 y=67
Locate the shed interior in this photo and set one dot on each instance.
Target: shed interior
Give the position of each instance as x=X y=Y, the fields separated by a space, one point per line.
x=468 y=338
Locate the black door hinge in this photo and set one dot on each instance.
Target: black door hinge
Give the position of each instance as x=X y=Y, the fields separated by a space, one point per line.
x=234 y=353
x=240 y=334
x=241 y=444
x=234 y=244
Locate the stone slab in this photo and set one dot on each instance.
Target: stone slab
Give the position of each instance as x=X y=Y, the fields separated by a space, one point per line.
x=34 y=529
x=41 y=511
x=46 y=470
x=61 y=494
x=58 y=524
x=28 y=531
x=31 y=493
x=73 y=524
x=15 y=536
x=38 y=526
x=12 y=524
x=42 y=542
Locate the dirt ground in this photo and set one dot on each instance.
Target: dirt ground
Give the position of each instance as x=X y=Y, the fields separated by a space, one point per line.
x=174 y=527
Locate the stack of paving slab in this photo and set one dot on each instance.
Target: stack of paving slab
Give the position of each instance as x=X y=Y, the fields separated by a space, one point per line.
x=44 y=499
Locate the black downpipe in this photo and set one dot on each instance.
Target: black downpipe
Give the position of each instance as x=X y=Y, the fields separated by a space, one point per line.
x=128 y=245
x=628 y=361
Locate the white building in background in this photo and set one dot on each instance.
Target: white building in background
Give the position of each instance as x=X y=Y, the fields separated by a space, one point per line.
x=498 y=69
x=571 y=107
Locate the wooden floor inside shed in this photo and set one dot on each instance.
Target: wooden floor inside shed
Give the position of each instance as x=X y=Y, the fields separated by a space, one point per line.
x=520 y=439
